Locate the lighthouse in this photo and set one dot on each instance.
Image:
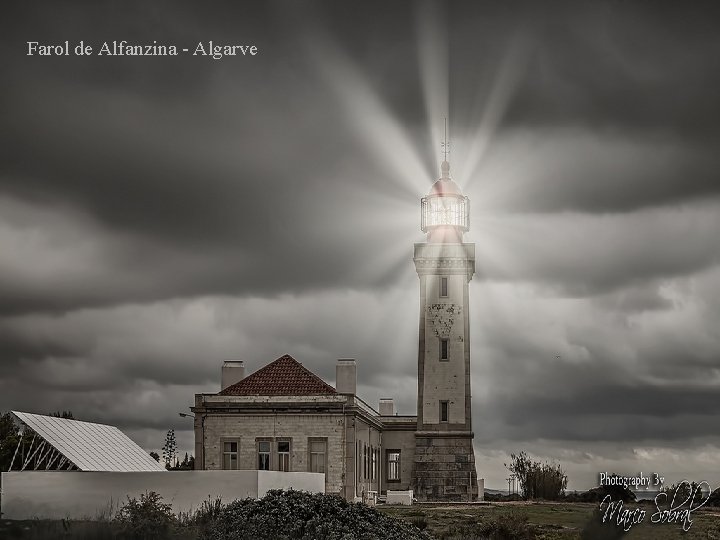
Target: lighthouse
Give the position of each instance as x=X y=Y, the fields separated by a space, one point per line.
x=444 y=460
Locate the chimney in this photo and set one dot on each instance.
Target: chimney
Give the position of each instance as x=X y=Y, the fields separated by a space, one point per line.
x=346 y=376
x=232 y=371
x=387 y=407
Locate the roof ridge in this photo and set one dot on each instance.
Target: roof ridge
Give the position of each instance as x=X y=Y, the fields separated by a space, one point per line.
x=283 y=376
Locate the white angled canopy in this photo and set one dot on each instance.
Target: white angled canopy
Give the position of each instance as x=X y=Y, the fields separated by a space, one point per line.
x=90 y=447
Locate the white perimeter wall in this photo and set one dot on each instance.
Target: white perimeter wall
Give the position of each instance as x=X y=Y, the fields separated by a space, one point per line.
x=83 y=495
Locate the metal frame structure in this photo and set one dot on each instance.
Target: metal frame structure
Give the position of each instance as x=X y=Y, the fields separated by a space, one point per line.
x=64 y=444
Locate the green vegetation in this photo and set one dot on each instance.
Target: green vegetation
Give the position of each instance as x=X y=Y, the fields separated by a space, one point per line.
x=145 y=519
x=297 y=515
x=279 y=515
x=301 y=515
x=538 y=480
x=18 y=443
x=546 y=521
x=169 y=450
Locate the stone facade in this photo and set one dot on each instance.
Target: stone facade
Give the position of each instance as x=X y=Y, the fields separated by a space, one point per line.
x=354 y=436
x=444 y=455
x=445 y=467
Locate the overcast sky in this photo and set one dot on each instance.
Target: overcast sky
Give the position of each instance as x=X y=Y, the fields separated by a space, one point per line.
x=159 y=215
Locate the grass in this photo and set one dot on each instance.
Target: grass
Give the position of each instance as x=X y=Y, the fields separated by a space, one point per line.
x=550 y=521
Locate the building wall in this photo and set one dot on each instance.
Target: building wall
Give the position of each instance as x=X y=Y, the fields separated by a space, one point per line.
x=353 y=433
x=405 y=442
x=365 y=474
x=248 y=429
x=90 y=495
x=444 y=317
x=444 y=461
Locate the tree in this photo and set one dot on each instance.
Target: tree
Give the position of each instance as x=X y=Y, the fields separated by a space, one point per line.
x=9 y=437
x=20 y=444
x=538 y=480
x=187 y=464
x=169 y=449
x=68 y=415
x=155 y=456
x=680 y=491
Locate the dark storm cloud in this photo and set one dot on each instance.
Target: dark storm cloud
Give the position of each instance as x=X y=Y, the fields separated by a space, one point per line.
x=618 y=101
x=191 y=177
x=160 y=215
x=633 y=66
x=586 y=255
x=204 y=170
x=111 y=364
x=600 y=371
x=598 y=172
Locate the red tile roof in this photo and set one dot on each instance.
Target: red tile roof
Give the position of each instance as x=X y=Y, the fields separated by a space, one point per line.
x=283 y=377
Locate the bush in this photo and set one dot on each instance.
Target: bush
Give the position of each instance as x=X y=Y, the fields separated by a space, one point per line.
x=148 y=518
x=714 y=499
x=538 y=480
x=300 y=515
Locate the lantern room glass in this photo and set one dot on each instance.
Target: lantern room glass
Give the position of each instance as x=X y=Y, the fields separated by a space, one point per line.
x=445 y=210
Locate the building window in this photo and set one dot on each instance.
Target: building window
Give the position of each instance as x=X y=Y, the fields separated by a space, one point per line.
x=374 y=463
x=444 y=287
x=444 y=407
x=263 y=455
x=364 y=461
x=318 y=450
x=230 y=455
x=283 y=452
x=443 y=349
x=393 y=465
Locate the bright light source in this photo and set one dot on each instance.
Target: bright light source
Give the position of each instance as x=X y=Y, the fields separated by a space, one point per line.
x=445 y=210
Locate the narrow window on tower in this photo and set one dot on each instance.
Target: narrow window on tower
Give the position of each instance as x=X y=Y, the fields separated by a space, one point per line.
x=443 y=349
x=443 y=287
x=444 y=406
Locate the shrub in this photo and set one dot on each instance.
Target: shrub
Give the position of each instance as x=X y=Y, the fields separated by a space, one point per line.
x=148 y=518
x=714 y=499
x=300 y=515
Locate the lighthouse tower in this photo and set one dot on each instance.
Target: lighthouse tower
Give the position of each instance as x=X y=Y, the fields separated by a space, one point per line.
x=444 y=460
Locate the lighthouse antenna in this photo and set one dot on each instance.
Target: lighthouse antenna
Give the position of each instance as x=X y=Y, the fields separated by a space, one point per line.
x=445 y=144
